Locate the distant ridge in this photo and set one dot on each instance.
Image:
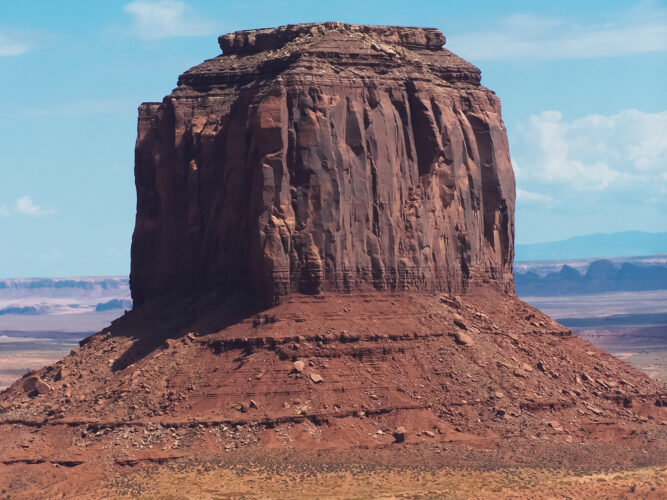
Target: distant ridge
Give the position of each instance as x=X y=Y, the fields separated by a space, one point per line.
x=76 y=295
x=622 y=244
x=586 y=276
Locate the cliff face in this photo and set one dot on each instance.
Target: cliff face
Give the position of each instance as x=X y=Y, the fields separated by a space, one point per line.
x=324 y=157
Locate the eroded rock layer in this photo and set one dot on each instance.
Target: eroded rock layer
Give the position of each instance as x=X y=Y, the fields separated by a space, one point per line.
x=324 y=157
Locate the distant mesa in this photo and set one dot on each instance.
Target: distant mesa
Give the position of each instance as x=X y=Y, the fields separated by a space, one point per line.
x=64 y=297
x=63 y=283
x=22 y=310
x=114 y=304
x=599 y=276
x=54 y=286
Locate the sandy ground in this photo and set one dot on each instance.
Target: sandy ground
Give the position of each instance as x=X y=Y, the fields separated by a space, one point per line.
x=603 y=304
x=80 y=322
x=31 y=342
x=14 y=364
x=650 y=360
x=644 y=346
x=653 y=363
x=210 y=481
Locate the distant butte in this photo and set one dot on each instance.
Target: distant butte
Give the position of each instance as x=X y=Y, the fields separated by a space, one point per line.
x=322 y=260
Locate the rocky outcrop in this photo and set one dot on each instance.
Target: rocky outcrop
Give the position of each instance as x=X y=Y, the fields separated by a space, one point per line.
x=324 y=157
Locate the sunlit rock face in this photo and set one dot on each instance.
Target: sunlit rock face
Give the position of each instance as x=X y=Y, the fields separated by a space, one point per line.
x=324 y=157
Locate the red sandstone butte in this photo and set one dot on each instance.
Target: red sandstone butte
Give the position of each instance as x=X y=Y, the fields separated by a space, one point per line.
x=322 y=274
x=324 y=157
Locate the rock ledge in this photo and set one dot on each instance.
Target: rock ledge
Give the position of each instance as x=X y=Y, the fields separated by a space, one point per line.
x=257 y=40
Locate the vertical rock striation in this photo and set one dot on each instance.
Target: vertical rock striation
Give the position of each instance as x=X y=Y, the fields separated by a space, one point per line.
x=324 y=157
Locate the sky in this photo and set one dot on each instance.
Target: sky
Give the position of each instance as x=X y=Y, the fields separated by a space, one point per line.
x=582 y=84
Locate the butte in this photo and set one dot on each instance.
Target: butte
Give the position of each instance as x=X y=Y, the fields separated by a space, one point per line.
x=322 y=260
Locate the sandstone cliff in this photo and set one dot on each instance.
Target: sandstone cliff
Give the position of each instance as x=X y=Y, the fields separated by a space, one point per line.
x=324 y=157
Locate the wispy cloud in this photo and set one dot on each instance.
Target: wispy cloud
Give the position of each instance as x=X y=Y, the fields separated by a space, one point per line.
x=530 y=37
x=25 y=206
x=627 y=150
x=154 y=20
x=12 y=45
x=4 y=210
x=531 y=197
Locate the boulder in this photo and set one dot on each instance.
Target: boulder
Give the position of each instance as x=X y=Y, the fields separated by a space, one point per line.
x=34 y=386
x=61 y=374
x=463 y=339
x=555 y=425
x=400 y=434
x=441 y=427
x=458 y=321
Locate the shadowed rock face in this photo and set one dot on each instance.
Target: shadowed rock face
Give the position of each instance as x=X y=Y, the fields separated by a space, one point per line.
x=324 y=157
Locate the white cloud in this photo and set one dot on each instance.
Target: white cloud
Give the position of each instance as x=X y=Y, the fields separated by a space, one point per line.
x=525 y=36
x=596 y=152
x=25 y=205
x=154 y=20
x=535 y=198
x=11 y=45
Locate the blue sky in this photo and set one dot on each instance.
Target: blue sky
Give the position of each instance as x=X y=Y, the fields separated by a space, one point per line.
x=582 y=86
